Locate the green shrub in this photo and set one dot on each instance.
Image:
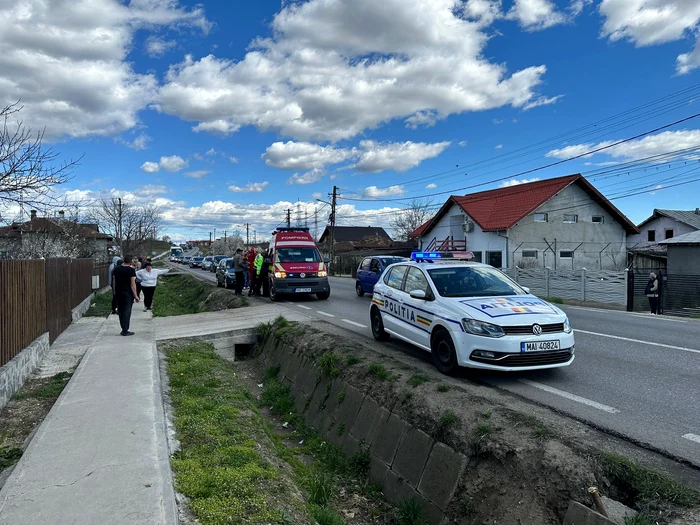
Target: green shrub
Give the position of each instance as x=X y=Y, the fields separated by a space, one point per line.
x=378 y=371
x=410 y=512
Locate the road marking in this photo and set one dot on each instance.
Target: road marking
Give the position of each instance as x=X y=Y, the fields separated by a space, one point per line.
x=354 y=323
x=572 y=397
x=639 y=341
x=304 y=307
x=692 y=437
x=324 y=313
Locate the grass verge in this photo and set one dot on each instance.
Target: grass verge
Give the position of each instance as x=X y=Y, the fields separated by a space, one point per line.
x=101 y=305
x=645 y=486
x=184 y=294
x=220 y=466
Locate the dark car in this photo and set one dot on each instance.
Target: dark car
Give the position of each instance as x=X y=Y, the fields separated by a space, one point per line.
x=224 y=273
x=196 y=262
x=370 y=269
x=215 y=262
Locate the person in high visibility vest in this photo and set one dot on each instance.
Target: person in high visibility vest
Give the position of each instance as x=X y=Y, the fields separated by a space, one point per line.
x=257 y=264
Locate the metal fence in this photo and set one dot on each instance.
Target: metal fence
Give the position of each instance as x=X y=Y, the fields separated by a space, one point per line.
x=38 y=297
x=581 y=285
x=679 y=295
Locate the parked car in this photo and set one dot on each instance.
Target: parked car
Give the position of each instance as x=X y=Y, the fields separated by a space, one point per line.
x=215 y=262
x=370 y=269
x=196 y=262
x=206 y=263
x=224 y=273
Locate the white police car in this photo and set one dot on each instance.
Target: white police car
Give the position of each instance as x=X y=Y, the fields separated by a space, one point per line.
x=469 y=314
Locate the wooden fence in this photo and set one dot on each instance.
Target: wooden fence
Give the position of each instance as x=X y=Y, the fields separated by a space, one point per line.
x=38 y=297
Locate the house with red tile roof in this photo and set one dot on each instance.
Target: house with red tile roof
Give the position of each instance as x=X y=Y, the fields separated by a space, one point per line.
x=560 y=223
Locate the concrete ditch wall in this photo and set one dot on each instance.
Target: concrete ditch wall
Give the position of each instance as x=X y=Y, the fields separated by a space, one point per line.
x=16 y=371
x=406 y=461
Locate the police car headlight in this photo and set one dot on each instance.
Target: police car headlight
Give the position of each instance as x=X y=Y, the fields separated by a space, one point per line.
x=323 y=273
x=567 y=326
x=484 y=329
x=280 y=275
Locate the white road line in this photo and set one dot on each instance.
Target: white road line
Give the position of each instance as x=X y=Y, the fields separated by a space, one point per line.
x=304 y=307
x=324 y=313
x=692 y=437
x=354 y=323
x=639 y=341
x=572 y=397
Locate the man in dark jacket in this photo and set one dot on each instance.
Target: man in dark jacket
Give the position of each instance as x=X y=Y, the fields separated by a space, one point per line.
x=238 y=269
x=125 y=289
x=264 y=276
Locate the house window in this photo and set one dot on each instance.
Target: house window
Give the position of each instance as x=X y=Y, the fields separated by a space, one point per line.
x=495 y=259
x=540 y=217
x=478 y=256
x=566 y=254
x=570 y=219
x=597 y=219
x=669 y=234
x=651 y=236
x=532 y=254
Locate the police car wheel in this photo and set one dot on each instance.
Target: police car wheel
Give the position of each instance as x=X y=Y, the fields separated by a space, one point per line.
x=378 y=326
x=359 y=290
x=443 y=350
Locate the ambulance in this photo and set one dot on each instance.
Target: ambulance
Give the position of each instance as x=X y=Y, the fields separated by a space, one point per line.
x=297 y=266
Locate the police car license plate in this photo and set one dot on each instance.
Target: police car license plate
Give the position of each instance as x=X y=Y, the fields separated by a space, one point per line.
x=302 y=290
x=540 y=346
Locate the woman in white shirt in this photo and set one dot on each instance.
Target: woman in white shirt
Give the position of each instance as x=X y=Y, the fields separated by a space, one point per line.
x=149 y=280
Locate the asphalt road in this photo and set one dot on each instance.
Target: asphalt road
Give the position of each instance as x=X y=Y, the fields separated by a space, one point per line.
x=635 y=375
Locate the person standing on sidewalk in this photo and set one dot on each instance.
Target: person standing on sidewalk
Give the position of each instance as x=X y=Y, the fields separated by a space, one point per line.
x=250 y=257
x=257 y=266
x=652 y=292
x=125 y=289
x=116 y=261
x=149 y=281
x=238 y=269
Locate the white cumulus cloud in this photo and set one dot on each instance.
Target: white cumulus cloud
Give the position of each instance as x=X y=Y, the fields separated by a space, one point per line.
x=686 y=62
x=138 y=144
x=535 y=15
x=68 y=61
x=636 y=149
x=373 y=192
x=334 y=68
x=516 y=182
x=431 y=186
x=173 y=163
x=251 y=187
x=157 y=46
x=150 y=167
x=397 y=156
x=303 y=155
x=309 y=177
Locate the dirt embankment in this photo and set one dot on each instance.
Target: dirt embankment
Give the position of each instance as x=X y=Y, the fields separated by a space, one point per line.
x=523 y=463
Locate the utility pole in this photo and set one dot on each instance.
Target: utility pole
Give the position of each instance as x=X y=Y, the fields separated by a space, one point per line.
x=224 y=236
x=214 y=234
x=289 y=217
x=209 y=238
x=247 y=233
x=331 y=219
x=255 y=236
x=315 y=223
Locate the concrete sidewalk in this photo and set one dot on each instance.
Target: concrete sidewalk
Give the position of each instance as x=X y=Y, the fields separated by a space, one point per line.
x=101 y=455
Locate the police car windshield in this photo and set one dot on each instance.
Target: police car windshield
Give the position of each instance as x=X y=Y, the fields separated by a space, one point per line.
x=472 y=281
x=296 y=255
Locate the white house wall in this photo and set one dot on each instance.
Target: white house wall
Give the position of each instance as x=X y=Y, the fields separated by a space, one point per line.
x=604 y=245
x=660 y=225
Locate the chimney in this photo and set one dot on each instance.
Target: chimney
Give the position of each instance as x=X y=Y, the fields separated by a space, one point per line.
x=32 y=215
x=697 y=211
x=61 y=214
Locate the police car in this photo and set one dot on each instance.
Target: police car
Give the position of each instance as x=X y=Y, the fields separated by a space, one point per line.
x=469 y=314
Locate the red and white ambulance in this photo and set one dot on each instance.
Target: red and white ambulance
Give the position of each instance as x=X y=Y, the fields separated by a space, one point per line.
x=297 y=266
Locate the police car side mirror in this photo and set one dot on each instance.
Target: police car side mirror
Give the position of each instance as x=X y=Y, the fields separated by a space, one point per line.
x=418 y=294
x=527 y=290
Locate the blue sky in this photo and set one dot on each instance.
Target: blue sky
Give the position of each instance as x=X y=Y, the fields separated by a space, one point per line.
x=229 y=112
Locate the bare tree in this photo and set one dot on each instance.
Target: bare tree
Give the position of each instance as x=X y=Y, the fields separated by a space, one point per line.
x=406 y=221
x=27 y=170
x=227 y=246
x=131 y=226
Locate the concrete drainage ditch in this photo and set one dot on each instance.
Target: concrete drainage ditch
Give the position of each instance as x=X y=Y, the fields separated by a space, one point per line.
x=464 y=458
